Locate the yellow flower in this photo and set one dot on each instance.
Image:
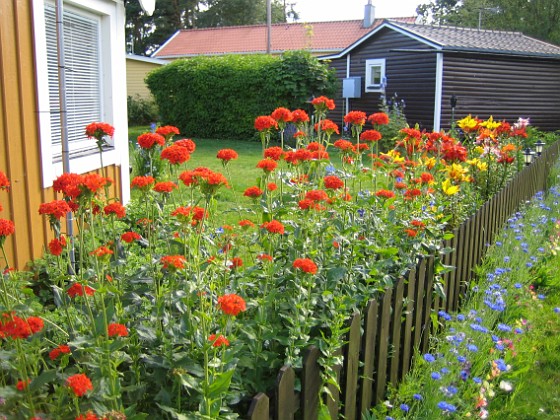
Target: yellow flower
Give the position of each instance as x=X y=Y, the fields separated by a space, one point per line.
x=490 y=123
x=473 y=162
x=479 y=150
x=430 y=162
x=482 y=166
x=468 y=123
x=456 y=172
x=448 y=188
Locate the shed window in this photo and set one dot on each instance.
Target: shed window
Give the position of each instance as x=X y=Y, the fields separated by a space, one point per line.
x=375 y=75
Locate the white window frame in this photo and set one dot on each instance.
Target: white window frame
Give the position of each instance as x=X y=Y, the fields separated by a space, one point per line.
x=370 y=65
x=110 y=14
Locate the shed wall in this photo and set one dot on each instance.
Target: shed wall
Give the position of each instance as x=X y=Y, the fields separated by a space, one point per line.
x=136 y=72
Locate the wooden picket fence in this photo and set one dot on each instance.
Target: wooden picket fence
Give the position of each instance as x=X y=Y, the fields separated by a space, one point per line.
x=382 y=340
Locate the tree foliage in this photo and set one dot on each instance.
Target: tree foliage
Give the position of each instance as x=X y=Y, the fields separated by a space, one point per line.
x=536 y=18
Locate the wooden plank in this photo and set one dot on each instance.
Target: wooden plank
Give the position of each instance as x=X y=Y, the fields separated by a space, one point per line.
x=351 y=366
x=383 y=331
x=259 y=409
x=407 y=336
x=452 y=299
x=396 y=331
x=310 y=383
x=447 y=281
x=285 y=397
x=419 y=301
x=460 y=263
x=333 y=402
x=466 y=260
x=426 y=312
x=368 y=354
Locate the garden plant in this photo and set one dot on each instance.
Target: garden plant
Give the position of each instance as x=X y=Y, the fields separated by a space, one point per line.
x=160 y=308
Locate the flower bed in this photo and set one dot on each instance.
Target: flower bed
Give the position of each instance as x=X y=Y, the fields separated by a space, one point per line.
x=166 y=311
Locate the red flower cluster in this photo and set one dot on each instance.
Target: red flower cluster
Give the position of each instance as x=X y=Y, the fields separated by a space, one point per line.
x=231 y=304
x=274 y=226
x=187 y=144
x=57 y=245
x=299 y=116
x=165 y=187
x=328 y=126
x=90 y=415
x=98 y=130
x=246 y=223
x=355 y=117
x=80 y=384
x=167 y=131
x=316 y=195
x=7 y=228
x=115 y=208
x=142 y=182
x=60 y=350
x=117 y=330
x=55 y=209
x=344 y=145
x=265 y=123
x=332 y=182
x=370 y=136
x=227 y=154
x=94 y=182
x=190 y=214
x=306 y=265
x=379 y=118
x=175 y=154
x=267 y=165
x=271 y=186
x=264 y=257
x=101 y=252
x=236 y=262
x=218 y=341
x=68 y=184
x=15 y=327
x=274 y=153
x=129 y=237
x=78 y=289
x=148 y=140
x=323 y=103
x=4 y=181
x=22 y=385
x=385 y=194
x=173 y=262
x=253 y=192
x=282 y=115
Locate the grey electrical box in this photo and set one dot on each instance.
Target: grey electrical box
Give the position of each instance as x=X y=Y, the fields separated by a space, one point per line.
x=352 y=87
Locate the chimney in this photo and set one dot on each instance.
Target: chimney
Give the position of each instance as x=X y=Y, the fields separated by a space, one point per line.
x=369 y=14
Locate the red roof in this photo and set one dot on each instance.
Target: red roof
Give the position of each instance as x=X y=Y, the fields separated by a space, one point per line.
x=317 y=37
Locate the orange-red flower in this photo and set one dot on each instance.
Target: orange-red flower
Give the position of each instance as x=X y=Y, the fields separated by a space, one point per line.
x=267 y=165
x=14 y=327
x=265 y=123
x=344 y=145
x=385 y=194
x=323 y=103
x=68 y=184
x=142 y=182
x=274 y=226
x=176 y=262
x=80 y=384
x=355 y=117
x=79 y=290
x=246 y=223
x=94 y=182
x=299 y=116
x=316 y=195
x=190 y=214
x=332 y=182
x=90 y=415
x=370 y=136
x=22 y=385
x=4 y=181
x=187 y=144
x=227 y=154
x=282 y=115
x=57 y=245
x=55 y=209
x=60 y=350
x=129 y=237
x=35 y=323
x=264 y=257
x=218 y=341
x=306 y=265
x=271 y=186
x=115 y=329
x=274 y=153
x=379 y=118
x=328 y=126
x=253 y=192
x=148 y=140
x=175 y=154
x=98 y=130
x=165 y=187
x=115 y=208
x=167 y=131
x=101 y=252
x=231 y=304
x=7 y=228
x=236 y=262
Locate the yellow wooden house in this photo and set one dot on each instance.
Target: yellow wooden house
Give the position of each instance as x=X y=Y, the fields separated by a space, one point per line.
x=137 y=67
x=30 y=126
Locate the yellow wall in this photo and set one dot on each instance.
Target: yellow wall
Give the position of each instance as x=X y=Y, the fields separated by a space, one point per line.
x=136 y=72
x=20 y=156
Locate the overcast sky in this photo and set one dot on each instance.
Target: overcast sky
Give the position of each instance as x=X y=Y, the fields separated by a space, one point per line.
x=325 y=10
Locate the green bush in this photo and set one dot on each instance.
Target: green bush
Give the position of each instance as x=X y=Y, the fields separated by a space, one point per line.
x=141 y=111
x=219 y=97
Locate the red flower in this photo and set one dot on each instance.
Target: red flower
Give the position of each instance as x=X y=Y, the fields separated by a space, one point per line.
x=90 y=415
x=101 y=252
x=344 y=145
x=253 y=192
x=22 y=385
x=190 y=214
x=118 y=330
x=56 y=246
x=385 y=194
x=4 y=181
x=55 y=209
x=148 y=140
x=80 y=384
x=355 y=117
x=218 y=341
x=333 y=182
x=328 y=126
x=68 y=184
x=274 y=226
x=165 y=187
x=271 y=186
x=282 y=115
x=379 y=118
x=400 y=185
x=55 y=353
x=94 y=182
x=129 y=237
x=167 y=131
x=316 y=195
x=79 y=290
x=98 y=130
x=306 y=265
x=246 y=223
x=236 y=262
x=264 y=257
x=427 y=178
x=323 y=103
x=418 y=224
x=231 y=304
x=227 y=154
x=7 y=228
x=115 y=208
x=415 y=192
x=187 y=144
x=411 y=232
x=142 y=182
x=265 y=122
x=370 y=136
x=176 y=262
x=267 y=165
x=274 y=153
x=14 y=327
x=176 y=155
x=299 y=116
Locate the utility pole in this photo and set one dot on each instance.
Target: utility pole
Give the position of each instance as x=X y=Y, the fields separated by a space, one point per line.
x=268 y=26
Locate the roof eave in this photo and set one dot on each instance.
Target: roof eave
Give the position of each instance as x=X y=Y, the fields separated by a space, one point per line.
x=450 y=49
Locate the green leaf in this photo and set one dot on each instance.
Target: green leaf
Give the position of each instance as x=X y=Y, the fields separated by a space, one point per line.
x=43 y=379
x=173 y=412
x=323 y=413
x=336 y=274
x=447 y=236
x=221 y=383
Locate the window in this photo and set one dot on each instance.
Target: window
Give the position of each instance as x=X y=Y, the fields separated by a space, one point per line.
x=94 y=59
x=375 y=75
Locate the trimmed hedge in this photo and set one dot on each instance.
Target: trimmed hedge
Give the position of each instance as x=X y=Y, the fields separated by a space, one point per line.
x=220 y=97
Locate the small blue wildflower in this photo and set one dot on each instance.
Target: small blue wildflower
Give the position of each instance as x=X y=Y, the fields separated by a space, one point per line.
x=478 y=320
x=541 y=250
x=472 y=313
x=405 y=408
x=499 y=347
x=418 y=397
x=153 y=127
x=461 y=359
x=541 y=297
x=518 y=331
x=446 y=407
x=504 y=327
x=557 y=310
x=528 y=264
x=479 y=328
x=495 y=338
x=498 y=243
x=477 y=380
x=435 y=375
x=518 y=285
x=445 y=315
x=472 y=347
x=464 y=375
x=429 y=358
x=506 y=259
x=330 y=169
x=460 y=317
x=501 y=365
x=389 y=418
x=444 y=370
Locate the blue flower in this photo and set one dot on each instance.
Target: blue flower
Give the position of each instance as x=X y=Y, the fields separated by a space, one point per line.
x=405 y=408
x=444 y=370
x=498 y=243
x=557 y=310
x=501 y=365
x=445 y=406
x=518 y=331
x=541 y=297
x=461 y=359
x=479 y=328
x=435 y=375
x=499 y=347
x=330 y=169
x=472 y=347
x=418 y=397
x=460 y=317
x=518 y=285
x=504 y=327
x=528 y=264
x=389 y=418
x=477 y=380
x=429 y=358
x=464 y=375
x=361 y=212
x=506 y=259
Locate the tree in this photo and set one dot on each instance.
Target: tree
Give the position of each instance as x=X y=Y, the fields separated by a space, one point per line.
x=239 y=12
x=536 y=18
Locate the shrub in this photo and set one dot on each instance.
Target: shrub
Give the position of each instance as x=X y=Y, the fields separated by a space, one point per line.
x=224 y=95
x=141 y=111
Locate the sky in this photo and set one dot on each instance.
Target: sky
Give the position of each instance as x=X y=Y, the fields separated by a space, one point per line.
x=326 y=10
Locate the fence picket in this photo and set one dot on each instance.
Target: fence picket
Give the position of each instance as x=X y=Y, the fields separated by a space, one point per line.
x=310 y=384
x=333 y=402
x=368 y=354
x=396 y=328
x=351 y=366
x=384 y=321
x=285 y=395
x=418 y=301
x=407 y=341
x=426 y=312
x=259 y=408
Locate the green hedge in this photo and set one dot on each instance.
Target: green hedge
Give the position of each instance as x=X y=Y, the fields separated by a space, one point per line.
x=219 y=97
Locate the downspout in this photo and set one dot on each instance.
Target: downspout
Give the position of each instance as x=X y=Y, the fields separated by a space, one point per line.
x=268 y=26
x=438 y=92
x=59 y=6
x=347 y=76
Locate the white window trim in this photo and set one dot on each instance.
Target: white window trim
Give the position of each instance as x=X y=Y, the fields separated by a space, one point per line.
x=375 y=62
x=112 y=18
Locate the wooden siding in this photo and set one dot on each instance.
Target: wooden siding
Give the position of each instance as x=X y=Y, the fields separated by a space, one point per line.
x=505 y=87
x=136 y=72
x=19 y=137
x=410 y=75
